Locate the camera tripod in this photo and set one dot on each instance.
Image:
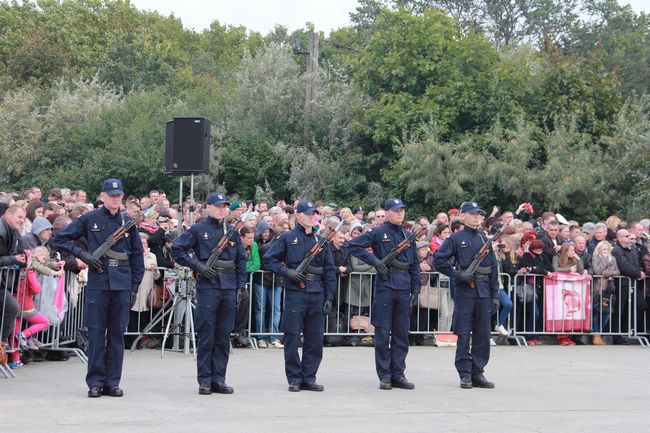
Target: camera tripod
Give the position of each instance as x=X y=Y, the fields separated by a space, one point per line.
x=180 y=305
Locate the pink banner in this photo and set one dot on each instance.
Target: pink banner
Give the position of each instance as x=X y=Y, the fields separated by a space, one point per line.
x=567 y=303
x=59 y=297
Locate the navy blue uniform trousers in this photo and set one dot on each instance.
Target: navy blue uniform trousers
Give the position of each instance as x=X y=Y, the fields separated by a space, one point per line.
x=215 y=318
x=303 y=312
x=472 y=315
x=390 y=317
x=106 y=314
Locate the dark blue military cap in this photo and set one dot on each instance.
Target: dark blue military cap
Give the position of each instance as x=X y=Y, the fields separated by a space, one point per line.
x=394 y=204
x=113 y=187
x=306 y=207
x=217 y=198
x=471 y=206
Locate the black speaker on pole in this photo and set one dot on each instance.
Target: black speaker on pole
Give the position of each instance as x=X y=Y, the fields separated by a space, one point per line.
x=187 y=145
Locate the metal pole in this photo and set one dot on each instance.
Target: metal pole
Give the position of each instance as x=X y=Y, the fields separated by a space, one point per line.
x=191 y=199
x=180 y=206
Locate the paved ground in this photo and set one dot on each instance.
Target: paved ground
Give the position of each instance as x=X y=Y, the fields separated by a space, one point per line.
x=540 y=389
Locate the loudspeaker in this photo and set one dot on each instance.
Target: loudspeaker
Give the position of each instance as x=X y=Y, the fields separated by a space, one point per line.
x=187 y=145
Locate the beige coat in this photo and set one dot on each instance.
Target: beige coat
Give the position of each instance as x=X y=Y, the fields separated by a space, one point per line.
x=146 y=285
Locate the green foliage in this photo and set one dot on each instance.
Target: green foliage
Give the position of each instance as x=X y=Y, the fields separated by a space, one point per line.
x=437 y=101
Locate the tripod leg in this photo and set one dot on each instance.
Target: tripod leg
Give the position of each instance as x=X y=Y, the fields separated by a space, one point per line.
x=159 y=317
x=190 y=315
x=177 y=299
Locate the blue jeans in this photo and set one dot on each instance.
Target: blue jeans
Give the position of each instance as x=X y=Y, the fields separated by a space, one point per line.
x=597 y=325
x=506 y=306
x=267 y=297
x=532 y=319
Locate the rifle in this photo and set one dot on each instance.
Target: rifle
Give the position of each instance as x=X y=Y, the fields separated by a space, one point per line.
x=483 y=252
x=397 y=249
x=223 y=242
x=119 y=234
x=318 y=246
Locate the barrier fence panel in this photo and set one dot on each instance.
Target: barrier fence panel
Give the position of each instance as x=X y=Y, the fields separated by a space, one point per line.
x=65 y=315
x=266 y=302
x=641 y=311
x=350 y=322
x=11 y=313
x=570 y=305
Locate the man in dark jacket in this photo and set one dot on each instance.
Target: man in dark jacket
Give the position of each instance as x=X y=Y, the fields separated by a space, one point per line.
x=11 y=255
x=549 y=235
x=628 y=262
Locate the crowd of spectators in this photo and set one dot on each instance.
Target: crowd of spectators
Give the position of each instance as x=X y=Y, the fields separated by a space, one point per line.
x=532 y=245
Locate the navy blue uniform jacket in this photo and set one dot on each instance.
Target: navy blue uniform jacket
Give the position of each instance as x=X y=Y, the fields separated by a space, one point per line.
x=464 y=245
x=96 y=226
x=382 y=239
x=202 y=238
x=289 y=249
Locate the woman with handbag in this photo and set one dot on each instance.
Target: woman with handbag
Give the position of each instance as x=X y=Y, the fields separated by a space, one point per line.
x=604 y=292
x=534 y=262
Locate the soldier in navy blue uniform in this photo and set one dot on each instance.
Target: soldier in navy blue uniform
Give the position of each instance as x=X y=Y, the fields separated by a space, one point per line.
x=474 y=305
x=396 y=291
x=217 y=291
x=308 y=297
x=111 y=281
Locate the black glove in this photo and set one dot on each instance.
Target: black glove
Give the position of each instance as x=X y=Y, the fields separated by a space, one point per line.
x=206 y=271
x=327 y=308
x=134 y=297
x=241 y=294
x=381 y=268
x=295 y=276
x=495 y=305
x=465 y=277
x=90 y=260
x=414 y=300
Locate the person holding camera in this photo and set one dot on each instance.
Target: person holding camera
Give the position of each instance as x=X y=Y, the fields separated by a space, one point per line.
x=476 y=296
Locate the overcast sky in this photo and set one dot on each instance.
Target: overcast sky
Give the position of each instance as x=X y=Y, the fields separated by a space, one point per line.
x=263 y=15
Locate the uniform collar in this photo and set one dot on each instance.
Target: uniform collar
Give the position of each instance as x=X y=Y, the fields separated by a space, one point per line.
x=470 y=230
x=108 y=213
x=301 y=229
x=392 y=226
x=215 y=221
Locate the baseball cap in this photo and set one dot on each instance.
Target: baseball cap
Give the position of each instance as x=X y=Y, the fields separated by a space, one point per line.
x=113 y=187
x=471 y=206
x=394 y=204
x=217 y=198
x=306 y=207
x=588 y=227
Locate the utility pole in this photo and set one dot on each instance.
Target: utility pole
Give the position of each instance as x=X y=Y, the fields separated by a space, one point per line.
x=310 y=89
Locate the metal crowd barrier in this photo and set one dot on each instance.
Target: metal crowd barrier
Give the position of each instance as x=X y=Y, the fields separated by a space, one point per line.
x=350 y=322
x=53 y=338
x=10 y=312
x=581 y=310
x=642 y=310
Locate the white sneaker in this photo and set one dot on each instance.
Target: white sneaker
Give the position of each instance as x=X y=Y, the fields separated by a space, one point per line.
x=277 y=345
x=262 y=344
x=501 y=330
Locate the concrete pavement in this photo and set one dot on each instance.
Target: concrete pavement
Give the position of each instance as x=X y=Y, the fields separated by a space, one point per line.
x=538 y=389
